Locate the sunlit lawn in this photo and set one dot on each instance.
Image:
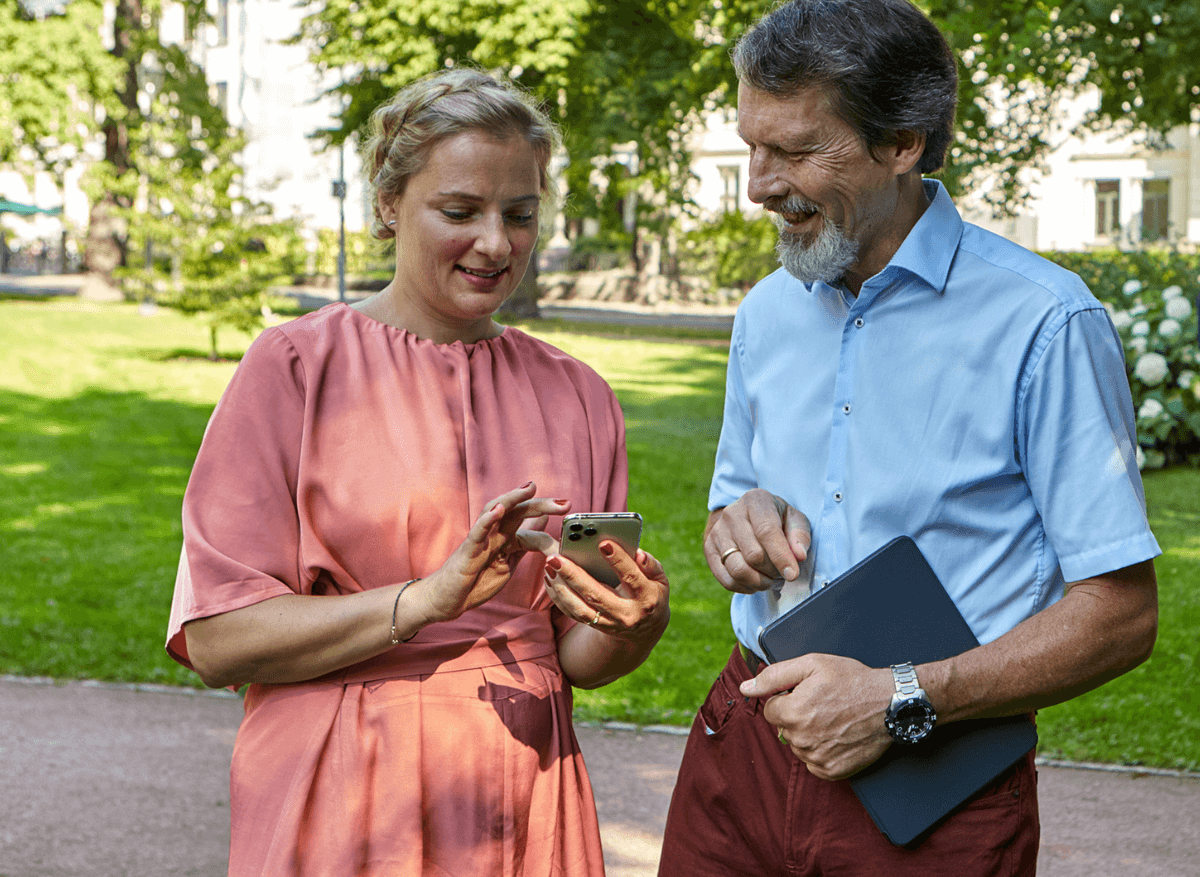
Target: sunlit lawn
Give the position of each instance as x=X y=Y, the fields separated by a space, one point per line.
x=101 y=412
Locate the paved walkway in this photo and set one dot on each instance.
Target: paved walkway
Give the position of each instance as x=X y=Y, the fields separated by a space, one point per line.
x=115 y=781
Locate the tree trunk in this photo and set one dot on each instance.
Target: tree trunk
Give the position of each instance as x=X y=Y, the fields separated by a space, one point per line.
x=107 y=235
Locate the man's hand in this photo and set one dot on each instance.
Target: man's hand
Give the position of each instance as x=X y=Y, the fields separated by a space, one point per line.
x=756 y=542
x=828 y=710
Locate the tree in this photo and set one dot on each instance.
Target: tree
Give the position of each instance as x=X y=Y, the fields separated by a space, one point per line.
x=1021 y=57
x=52 y=64
x=612 y=72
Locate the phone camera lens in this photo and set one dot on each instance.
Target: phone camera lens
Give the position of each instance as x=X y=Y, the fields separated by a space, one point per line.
x=590 y=531
x=574 y=537
x=576 y=527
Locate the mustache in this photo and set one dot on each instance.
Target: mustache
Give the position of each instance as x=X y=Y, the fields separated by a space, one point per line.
x=792 y=204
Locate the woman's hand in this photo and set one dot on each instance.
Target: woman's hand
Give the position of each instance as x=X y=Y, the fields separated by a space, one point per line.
x=619 y=626
x=484 y=562
x=636 y=611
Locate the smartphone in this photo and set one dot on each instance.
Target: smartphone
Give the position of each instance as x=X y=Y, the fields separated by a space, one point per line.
x=581 y=535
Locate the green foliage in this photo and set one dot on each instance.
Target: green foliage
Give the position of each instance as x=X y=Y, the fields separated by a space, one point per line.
x=733 y=252
x=612 y=73
x=50 y=72
x=1151 y=296
x=1021 y=57
x=365 y=256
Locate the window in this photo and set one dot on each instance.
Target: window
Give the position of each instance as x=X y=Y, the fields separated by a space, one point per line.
x=1155 y=206
x=731 y=182
x=222 y=22
x=1108 y=208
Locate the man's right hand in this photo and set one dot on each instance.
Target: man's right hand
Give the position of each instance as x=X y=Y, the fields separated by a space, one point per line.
x=771 y=541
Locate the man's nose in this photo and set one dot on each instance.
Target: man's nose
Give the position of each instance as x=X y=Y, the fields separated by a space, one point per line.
x=764 y=180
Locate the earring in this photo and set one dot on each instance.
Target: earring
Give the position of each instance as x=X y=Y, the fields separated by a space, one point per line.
x=390 y=223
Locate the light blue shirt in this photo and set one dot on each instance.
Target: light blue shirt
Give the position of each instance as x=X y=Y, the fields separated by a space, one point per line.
x=973 y=396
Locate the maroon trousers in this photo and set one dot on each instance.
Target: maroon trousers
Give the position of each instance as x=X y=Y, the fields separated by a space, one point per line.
x=745 y=805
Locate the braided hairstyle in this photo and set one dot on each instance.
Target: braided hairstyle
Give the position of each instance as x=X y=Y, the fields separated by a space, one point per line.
x=405 y=130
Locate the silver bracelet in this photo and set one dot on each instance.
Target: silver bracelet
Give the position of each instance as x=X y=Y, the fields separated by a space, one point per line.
x=403 y=588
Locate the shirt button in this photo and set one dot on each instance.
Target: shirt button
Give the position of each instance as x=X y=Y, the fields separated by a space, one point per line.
x=837 y=496
x=859 y=322
x=845 y=409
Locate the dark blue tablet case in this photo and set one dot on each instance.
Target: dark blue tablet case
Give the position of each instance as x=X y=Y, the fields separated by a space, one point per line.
x=890 y=608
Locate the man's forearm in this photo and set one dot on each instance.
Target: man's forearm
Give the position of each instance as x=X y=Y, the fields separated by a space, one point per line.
x=1101 y=628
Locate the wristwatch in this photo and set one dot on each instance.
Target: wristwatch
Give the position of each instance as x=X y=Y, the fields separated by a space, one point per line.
x=910 y=716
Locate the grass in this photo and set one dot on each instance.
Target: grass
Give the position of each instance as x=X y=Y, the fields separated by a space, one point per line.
x=102 y=410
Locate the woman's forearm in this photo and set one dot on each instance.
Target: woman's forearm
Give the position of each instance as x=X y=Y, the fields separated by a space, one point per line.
x=294 y=637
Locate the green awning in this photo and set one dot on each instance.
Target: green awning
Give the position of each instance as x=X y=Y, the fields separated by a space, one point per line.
x=7 y=206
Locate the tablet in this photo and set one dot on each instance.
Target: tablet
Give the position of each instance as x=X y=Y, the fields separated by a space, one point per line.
x=885 y=610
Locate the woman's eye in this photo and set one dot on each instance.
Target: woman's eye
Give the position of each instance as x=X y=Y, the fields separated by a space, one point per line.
x=522 y=218
x=456 y=215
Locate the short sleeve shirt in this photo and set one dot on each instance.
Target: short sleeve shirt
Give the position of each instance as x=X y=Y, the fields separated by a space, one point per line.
x=973 y=396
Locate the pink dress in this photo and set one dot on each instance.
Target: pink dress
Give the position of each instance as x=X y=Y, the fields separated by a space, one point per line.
x=347 y=454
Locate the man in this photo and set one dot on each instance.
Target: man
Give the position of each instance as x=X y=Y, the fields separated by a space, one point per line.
x=905 y=374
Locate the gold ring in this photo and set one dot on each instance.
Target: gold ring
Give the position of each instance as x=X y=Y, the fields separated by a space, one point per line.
x=592 y=623
x=728 y=551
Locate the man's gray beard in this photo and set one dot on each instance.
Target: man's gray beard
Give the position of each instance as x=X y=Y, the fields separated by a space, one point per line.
x=826 y=259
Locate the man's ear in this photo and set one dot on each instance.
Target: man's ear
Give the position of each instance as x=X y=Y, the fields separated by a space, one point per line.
x=906 y=153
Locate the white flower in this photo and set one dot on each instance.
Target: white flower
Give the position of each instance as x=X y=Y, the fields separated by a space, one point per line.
x=1141 y=458
x=1185 y=379
x=1150 y=409
x=1169 y=328
x=1141 y=327
x=1122 y=319
x=1172 y=292
x=1151 y=369
x=1132 y=287
x=1138 y=309
x=1179 y=308
x=1138 y=344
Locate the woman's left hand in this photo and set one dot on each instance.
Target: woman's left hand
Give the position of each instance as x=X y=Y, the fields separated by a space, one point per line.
x=636 y=611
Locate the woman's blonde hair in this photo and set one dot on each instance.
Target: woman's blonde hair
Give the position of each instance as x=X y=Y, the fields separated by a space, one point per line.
x=437 y=107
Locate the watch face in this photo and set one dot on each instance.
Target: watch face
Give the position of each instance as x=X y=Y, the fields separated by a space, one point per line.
x=911 y=720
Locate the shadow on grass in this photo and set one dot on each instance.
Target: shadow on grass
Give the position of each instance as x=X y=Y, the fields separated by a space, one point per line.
x=90 y=494
x=183 y=354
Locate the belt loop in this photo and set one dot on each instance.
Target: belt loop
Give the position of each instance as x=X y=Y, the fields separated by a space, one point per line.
x=753 y=661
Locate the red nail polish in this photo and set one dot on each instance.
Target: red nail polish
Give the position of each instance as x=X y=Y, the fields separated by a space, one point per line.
x=606 y=549
x=553 y=563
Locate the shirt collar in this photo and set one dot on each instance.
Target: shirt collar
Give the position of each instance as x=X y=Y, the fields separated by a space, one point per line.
x=927 y=251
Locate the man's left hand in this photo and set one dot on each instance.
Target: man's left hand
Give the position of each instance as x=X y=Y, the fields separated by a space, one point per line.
x=828 y=710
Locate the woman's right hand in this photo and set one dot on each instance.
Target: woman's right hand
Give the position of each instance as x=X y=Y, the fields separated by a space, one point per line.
x=483 y=564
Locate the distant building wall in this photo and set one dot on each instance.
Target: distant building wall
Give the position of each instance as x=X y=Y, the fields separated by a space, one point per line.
x=1096 y=190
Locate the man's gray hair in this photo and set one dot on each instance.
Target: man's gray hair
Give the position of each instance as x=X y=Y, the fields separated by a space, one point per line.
x=887 y=66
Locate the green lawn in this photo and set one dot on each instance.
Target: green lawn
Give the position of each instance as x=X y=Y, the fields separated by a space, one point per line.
x=101 y=412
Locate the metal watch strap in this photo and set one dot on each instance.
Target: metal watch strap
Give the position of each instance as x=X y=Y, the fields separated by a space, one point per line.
x=905 y=676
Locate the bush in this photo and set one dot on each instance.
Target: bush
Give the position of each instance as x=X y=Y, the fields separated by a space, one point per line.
x=733 y=252
x=1151 y=296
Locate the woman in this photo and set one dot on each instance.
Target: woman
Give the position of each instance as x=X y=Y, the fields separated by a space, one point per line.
x=356 y=547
